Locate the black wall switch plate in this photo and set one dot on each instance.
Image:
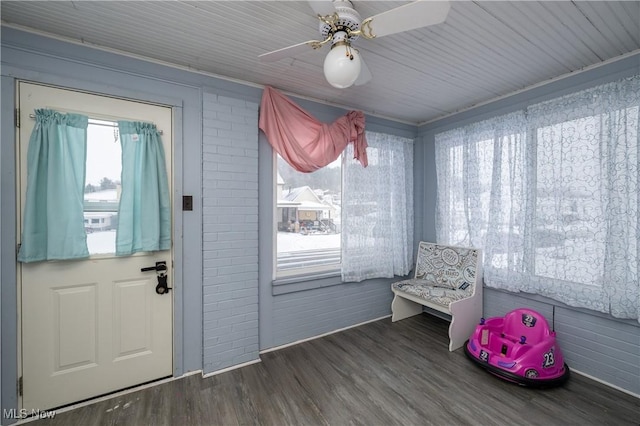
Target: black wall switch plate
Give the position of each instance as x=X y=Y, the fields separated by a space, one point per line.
x=187 y=202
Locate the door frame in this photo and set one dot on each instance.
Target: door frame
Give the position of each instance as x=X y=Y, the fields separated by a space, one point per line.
x=176 y=192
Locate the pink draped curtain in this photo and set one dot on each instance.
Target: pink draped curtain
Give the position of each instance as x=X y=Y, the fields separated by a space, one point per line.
x=304 y=142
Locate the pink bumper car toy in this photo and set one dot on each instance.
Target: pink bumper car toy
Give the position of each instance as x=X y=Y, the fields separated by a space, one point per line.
x=520 y=348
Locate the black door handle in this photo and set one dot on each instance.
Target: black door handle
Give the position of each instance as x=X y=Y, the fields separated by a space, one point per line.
x=159 y=267
x=161 y=272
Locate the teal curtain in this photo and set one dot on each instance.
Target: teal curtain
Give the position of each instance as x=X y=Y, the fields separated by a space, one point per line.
x=53 y=226
x=144 y=216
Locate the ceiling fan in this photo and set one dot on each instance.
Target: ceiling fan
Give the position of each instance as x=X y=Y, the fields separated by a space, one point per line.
x=341 y=25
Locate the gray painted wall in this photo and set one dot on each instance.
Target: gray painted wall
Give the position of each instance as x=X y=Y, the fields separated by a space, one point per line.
x=299 y=315
x=598 y=345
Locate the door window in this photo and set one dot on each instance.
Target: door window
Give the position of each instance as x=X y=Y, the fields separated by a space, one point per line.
x=102 y=186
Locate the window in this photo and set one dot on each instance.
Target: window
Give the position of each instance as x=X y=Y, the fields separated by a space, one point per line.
x=377 y=209
x=346 y=218
x=551 y=195
x=308 y=207
x=102 y=186
x=569 y=217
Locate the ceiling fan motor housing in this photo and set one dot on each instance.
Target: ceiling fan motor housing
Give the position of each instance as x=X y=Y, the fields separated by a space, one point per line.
x=348 y=20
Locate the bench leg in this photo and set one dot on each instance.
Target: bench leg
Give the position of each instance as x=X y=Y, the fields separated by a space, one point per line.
x=465 y=316
x=402 y=308
x=458 y=333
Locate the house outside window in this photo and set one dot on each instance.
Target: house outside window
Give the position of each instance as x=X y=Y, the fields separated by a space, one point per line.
x=103 y=189
x=308 y=221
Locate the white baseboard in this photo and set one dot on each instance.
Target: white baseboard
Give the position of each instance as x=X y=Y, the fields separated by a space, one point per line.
x=595 y=379
x=277 y=348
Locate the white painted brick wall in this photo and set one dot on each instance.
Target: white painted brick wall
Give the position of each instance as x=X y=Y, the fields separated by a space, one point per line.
x=230 y=231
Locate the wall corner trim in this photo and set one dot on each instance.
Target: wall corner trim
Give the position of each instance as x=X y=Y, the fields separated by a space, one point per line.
x=233 y=367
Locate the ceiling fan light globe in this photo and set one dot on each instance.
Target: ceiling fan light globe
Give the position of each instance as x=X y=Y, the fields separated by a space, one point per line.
x=339 y=69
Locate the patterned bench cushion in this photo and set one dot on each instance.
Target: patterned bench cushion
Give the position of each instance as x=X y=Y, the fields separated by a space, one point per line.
x=439 y=295
x=445 y=266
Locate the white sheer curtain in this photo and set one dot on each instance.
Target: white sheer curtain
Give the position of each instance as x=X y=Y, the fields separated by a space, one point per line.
x=551 y=194
x=377 y=210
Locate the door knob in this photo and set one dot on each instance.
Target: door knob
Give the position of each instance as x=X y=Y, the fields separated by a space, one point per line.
x=161 y=273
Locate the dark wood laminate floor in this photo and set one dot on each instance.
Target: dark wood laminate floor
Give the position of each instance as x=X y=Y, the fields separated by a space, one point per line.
x=381 y=373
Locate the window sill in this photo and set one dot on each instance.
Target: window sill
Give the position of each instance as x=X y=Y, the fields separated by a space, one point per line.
x=293 y=284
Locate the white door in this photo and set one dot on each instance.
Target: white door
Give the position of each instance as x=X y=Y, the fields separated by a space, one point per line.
x=90 y=327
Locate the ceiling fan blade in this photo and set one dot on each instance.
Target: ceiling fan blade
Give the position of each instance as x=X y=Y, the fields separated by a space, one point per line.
x=288 y=52
x=322 y=7
x=365 y=75
x=421 y=13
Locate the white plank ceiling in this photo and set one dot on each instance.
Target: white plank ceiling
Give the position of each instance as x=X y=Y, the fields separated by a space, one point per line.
x=484 y=50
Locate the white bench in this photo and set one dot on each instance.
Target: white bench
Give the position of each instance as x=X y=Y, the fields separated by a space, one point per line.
x=447 y=279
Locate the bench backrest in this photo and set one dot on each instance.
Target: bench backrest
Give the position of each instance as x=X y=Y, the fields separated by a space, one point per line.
x=445 y=266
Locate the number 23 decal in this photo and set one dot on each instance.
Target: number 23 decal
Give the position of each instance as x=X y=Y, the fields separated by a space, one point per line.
x=549 y=359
